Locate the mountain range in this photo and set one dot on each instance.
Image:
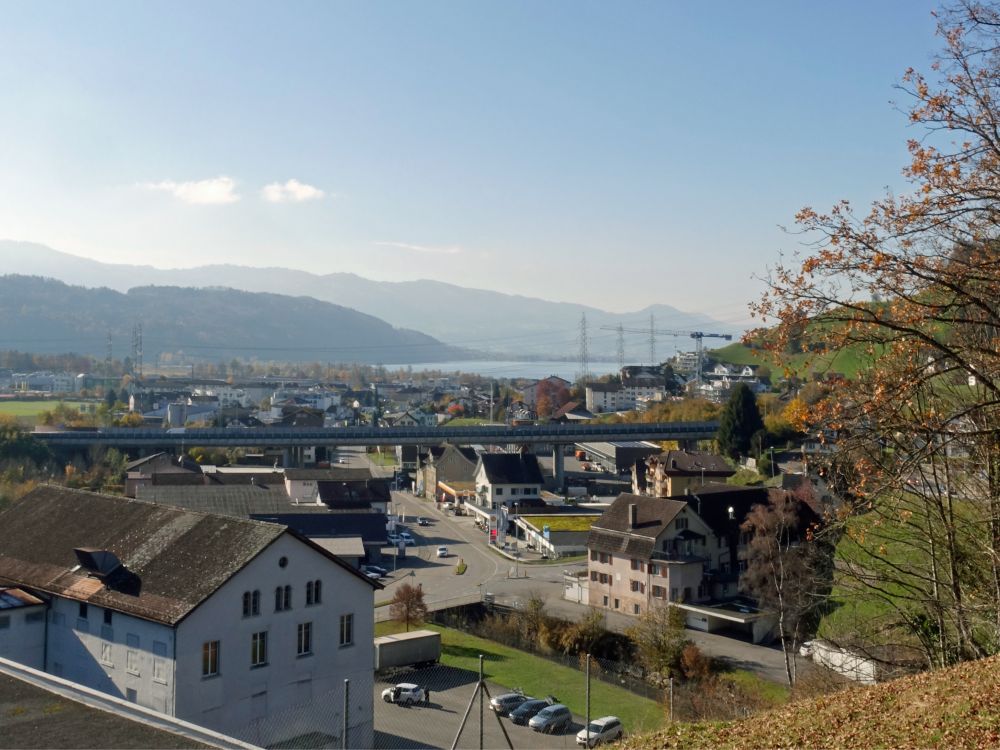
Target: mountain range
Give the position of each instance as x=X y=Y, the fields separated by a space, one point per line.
x=474 y=319
x=41 y=315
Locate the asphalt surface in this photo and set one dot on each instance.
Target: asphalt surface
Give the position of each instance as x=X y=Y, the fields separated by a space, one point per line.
x=435 y=725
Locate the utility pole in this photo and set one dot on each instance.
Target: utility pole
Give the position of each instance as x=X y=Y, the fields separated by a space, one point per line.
x=652 y=340
x=621 y=348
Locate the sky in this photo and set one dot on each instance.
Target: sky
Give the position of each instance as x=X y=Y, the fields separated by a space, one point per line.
x=617 y=154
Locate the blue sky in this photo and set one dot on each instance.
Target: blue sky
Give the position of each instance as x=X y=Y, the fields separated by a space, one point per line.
x=616 y=154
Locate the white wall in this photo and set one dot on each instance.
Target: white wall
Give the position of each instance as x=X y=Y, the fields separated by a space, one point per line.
x=270 y=703
x=93 y=654
x=22 y=638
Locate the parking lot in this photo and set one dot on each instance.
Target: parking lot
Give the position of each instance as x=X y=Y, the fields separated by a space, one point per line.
x=435 y=725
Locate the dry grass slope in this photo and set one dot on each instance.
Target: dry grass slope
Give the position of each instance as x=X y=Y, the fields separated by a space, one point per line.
x=955 y=708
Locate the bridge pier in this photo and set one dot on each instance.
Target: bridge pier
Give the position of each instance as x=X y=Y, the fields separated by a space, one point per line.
x=558 y=465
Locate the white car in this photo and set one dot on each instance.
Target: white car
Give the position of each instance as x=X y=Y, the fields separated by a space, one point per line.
x=405 y=694
x=393 y=538
x=605 y=729
x=442 y=551
x=408 y=539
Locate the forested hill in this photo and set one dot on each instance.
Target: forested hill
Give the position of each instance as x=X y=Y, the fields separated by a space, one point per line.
x=44 y=316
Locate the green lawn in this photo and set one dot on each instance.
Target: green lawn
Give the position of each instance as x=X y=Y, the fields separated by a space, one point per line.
x=562 y=523
x=466 y=421
x=27 y=412
x=534 y=675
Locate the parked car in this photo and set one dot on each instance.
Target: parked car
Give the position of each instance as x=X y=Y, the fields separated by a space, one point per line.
x=407 y=538
x=442 y=551
x=374 y=570
x=524 y=713
x=405 y=693
x=605 y=729
x=421 y=521
x=370 y=574
x=504 y=704
x=393 y=538
x=551 y=719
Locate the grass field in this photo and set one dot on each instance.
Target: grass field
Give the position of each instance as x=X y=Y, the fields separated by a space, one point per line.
x=27 y=412
x=534 y=675
x=466 y=421
x=847 y=361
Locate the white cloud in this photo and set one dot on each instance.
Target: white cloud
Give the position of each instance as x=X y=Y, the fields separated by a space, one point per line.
x=436 y=250
x=213 y=191
x=292 y=191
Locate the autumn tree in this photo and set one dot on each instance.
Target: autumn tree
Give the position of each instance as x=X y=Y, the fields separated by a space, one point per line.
x=786 y=569
x=660 y=639
x=912 y=288
x=549 y=397
x=739 y=422
x=408 y=606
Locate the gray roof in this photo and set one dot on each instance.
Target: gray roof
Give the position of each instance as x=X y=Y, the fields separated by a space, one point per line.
x=331 y=475
x=693 y=462
x=173 y=559
x=37 y=718
x=613 y=533
x=512 y=468
x=239 y=501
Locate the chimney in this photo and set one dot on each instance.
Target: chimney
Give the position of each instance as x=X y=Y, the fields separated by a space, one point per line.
x=633 y=516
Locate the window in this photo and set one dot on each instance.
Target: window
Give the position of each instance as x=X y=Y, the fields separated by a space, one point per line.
x=107 y=633
x=83 y=611
x=741 y=565
x=499 y=491
x=132 y=640
x=160 y=671
x=680 y=524
x=617 y=603
x=35 y=617
x=258 y=649
x=305 y=639
x=132 y=661
x=593 y=575
x=107 y=617
x=593 y=555
x=635 y=564
x=605 y=601
x=4 y=622
x=314 y=592
x=659 y=592
x=106 y=655
x=346 y=630
x=282 y=598
x=159 y=648
x=131 y=695
x=636 y=609
x=673 y=594
x=210 y=659
x=251 y=603
x=513 y=490
x=653 y=569
x=634 y=585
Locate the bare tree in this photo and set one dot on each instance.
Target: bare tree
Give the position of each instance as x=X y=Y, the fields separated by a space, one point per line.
x=408 y=606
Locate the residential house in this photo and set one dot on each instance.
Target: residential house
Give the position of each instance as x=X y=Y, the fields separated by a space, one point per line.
x=688 y=551
x=605 y=397
x=530 y=391
x=676 y=472
x=451 y=474
x=505 y=478
x=240 y=626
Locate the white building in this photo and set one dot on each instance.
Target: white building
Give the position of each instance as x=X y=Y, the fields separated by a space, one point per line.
x=240 y=626
x=506 y=478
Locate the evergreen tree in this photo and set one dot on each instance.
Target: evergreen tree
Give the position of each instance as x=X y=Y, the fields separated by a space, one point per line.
x=739 y=421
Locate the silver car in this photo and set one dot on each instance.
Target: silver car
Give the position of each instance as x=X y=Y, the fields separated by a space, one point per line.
x=552 y=719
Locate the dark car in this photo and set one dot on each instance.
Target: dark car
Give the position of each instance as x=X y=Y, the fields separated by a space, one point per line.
x=526 y=711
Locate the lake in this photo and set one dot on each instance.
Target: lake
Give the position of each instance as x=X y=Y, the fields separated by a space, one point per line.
x=511 y=369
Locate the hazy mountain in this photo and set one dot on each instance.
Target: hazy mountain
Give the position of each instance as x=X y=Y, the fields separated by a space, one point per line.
x=46 y=316
x=473 y=318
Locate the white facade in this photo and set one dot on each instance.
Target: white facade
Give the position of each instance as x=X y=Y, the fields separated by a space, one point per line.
x=22 y=635
x=491 y=495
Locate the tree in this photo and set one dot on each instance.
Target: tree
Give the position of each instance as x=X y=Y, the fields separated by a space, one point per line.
x=549 y=397
x=911 y=288
x=739 y=422
x=660 y=639
x=407 y=606
x=783 y=571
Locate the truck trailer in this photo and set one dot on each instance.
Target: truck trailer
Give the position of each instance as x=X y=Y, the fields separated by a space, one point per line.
x=414 y=649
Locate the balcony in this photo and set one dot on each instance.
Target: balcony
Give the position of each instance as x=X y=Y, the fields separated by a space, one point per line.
x=681 y=556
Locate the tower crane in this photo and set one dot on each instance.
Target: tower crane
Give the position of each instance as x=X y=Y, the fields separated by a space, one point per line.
x=698 y=336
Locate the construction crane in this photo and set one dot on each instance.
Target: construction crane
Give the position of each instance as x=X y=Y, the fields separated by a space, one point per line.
x=698 y=336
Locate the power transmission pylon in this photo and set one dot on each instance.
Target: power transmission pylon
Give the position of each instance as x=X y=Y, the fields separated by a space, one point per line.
x=698 y=337
x=652 y=340
x=584 y=349
x=621 y=348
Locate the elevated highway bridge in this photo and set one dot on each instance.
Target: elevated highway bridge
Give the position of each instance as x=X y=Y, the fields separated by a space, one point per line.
x=143 y=440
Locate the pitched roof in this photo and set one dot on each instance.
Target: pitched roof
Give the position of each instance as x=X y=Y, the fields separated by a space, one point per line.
x=512 y=468
x=680 y=462
x=613 y=532
x=604 y=387
x=361 y=494
x=331 y=474
x=238 y=502
x=180 y=557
